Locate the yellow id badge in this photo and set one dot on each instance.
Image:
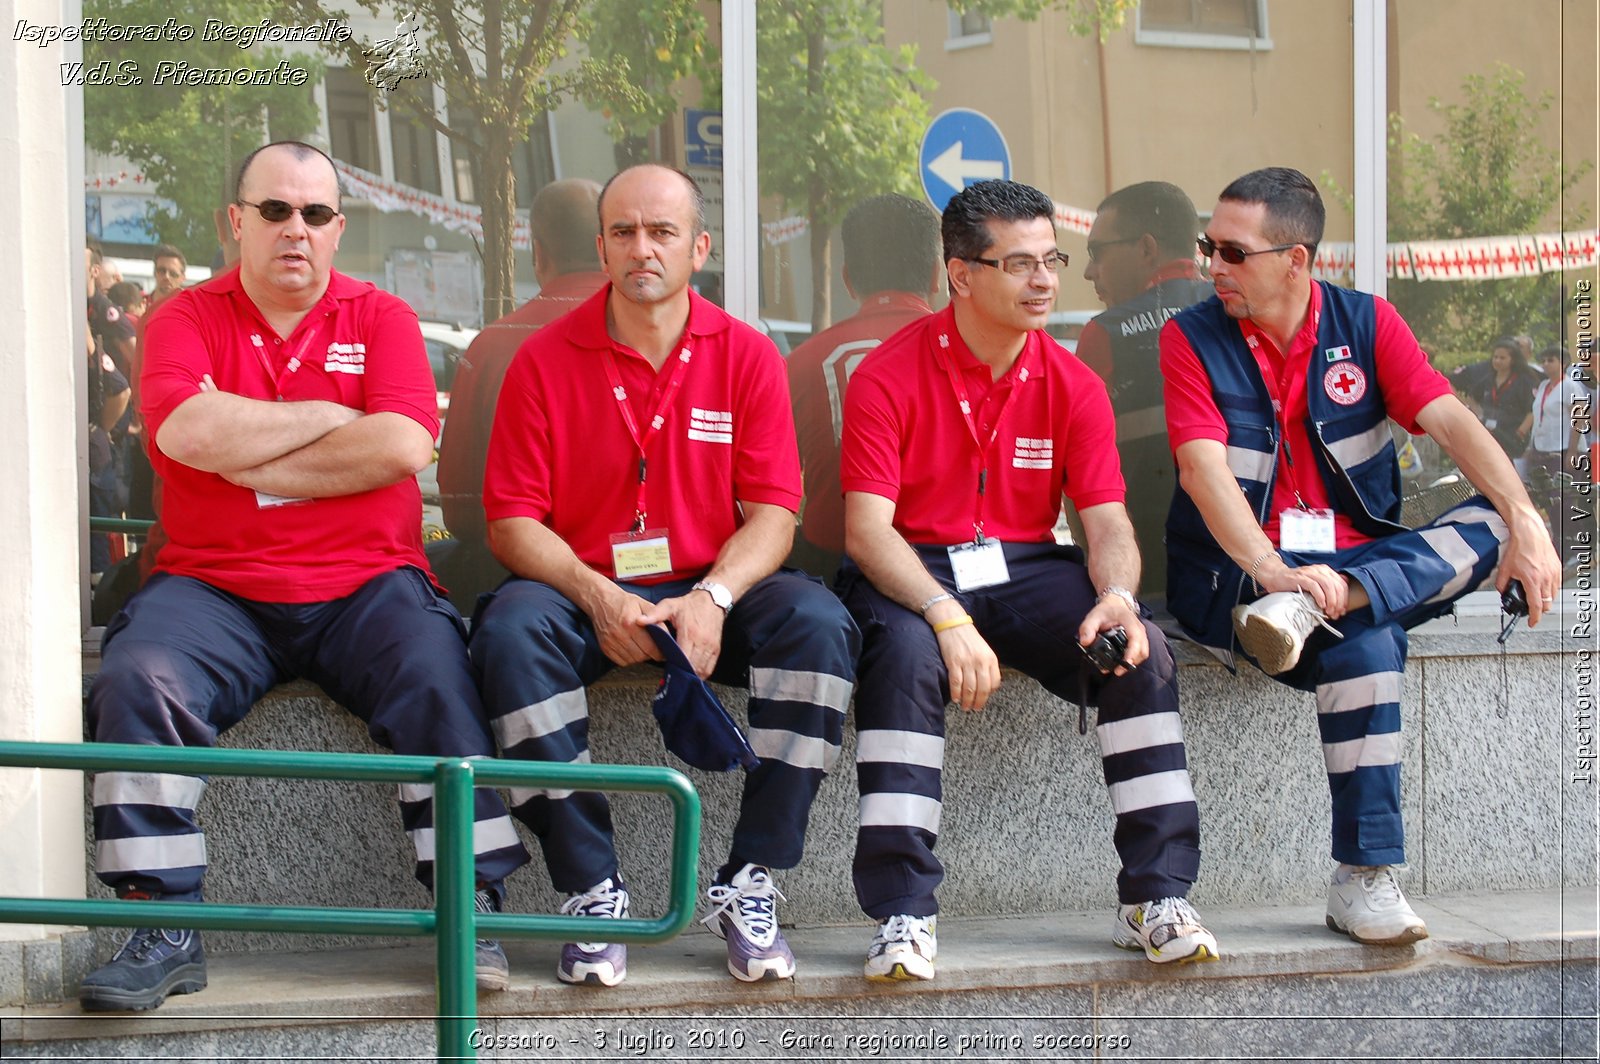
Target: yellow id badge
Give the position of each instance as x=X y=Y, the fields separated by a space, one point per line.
x=635 y=555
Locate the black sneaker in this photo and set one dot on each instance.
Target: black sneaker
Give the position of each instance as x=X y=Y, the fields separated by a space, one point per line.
x=494 y=971
x=150 y=965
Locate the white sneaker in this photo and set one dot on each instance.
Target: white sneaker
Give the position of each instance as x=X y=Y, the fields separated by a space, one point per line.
x=1365 y=903
x=744 y=914
x=904 y=948
x=1273 y=628
x=1167 y=930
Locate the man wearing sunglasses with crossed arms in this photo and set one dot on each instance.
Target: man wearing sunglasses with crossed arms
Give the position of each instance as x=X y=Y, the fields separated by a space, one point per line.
x=290 y=408
x=1284 y=539
x=961 y=432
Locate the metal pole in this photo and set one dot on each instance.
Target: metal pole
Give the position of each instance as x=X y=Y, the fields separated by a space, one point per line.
x=455 y=933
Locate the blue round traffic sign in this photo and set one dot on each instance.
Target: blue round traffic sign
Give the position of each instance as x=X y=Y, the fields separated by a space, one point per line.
x=960 y=148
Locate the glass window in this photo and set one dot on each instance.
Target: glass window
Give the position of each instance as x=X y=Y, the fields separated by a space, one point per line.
x=416 y=144
x=1203 y=23
x=352 y=128
x=968 y=28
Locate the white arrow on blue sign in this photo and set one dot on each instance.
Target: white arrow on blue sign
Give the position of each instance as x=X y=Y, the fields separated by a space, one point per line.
x=960 y=148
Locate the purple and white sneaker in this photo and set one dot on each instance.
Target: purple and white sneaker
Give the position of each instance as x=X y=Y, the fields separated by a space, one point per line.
x=595 y=963
x=744 y=913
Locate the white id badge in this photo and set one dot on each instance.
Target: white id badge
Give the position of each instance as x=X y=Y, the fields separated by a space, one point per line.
x=1306 y=530
x=976 y=565
x=265 y=501
x=640 y=554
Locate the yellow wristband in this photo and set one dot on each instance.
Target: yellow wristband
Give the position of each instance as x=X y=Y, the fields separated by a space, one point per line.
x=954 y=622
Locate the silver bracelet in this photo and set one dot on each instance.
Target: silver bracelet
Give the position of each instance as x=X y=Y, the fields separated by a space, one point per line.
x=1255 y=565
x=943 y=596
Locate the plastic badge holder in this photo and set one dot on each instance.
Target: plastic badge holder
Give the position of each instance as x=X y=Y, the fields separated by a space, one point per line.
x=694 y=724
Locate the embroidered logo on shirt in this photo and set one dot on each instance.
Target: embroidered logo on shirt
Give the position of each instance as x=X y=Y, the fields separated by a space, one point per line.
x=1345 y=385
x=1337 y=354
x=710 y=426
x=346 y=358
x=255 y=338
x=621 y=393
x=1033 y=453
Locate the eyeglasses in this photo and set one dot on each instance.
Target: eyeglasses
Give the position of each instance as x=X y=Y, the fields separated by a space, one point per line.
x=168 y=271
x=1097 y=246
x=1231 y=255
x=1024 y=265
x=316 y=215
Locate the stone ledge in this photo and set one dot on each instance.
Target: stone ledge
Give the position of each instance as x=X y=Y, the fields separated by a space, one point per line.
x=977 y=955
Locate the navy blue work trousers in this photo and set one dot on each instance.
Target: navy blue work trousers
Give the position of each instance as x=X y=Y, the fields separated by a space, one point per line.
x=184 y=661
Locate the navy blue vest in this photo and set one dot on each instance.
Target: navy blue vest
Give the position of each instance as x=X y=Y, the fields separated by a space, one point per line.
x=1349 y=429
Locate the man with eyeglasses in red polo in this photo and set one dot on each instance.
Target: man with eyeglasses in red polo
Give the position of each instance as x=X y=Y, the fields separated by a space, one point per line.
x=1284 y=539
x=289 y=408
x=171 y=269
x=961 y=432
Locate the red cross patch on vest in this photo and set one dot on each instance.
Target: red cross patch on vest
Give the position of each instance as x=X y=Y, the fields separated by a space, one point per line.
x=1345 y=383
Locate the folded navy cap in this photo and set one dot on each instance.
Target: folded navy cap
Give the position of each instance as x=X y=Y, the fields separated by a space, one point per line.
x=693 y=721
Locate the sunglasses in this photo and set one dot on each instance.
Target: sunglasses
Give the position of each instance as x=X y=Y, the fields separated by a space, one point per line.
x=316 y=215
x=1231 y=255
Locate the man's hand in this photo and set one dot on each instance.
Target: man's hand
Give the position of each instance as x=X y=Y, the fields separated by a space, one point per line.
x=619 y=622
x=1326 y=585
x=696 y=624
x=1530 y=557
x=1108 y=613
x=969 y=661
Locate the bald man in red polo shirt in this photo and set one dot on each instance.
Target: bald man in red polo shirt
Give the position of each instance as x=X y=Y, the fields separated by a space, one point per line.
x=961 y=433
x=643 y=471
x=564 y=225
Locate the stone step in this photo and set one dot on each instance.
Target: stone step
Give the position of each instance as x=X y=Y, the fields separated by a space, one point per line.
x=1508 y=975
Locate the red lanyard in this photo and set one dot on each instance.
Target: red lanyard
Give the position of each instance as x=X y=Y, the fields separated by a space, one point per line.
x=658 y=416
x=280 y=377
x=959 y=386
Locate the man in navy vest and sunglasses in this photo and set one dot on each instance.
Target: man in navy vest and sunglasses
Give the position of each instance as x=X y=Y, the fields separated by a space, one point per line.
x=1284 y=539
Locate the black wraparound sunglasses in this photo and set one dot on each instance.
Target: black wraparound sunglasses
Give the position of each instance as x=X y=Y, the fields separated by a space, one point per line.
x=276 y=210
x=1231 y=255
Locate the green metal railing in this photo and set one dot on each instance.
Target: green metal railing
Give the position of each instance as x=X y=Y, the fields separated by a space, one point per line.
x=451 y=921
x=132 y=526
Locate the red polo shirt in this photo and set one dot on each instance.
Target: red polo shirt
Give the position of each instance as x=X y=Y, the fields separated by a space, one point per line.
x=561 y=451
x=464 y=446
x=819 y=371
x=906 y=438
x=359 y=347
x=1405 y=379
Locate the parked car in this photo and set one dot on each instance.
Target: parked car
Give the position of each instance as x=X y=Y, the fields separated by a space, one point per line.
x=446 y=343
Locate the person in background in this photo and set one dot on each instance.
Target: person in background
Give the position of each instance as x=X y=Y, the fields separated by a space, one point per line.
x=568 y=272
x=1142 y=266
x=171 y=270
x=1555 y=444
x=892 y=268
x=1503 y=395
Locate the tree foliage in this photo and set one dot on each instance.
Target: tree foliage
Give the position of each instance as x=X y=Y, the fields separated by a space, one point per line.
x=189 y=139
x=1487 y=174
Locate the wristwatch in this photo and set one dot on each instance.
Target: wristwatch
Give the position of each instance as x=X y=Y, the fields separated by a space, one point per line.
x=719 y=594
x=1122 y=593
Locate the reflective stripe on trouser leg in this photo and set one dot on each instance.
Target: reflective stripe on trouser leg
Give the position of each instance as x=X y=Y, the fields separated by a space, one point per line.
x=1032 y=624
x=1413 y=577
x=181 y=662
x=395 y=654
x=1147 y=774
x=791 y=642
x=1358 y=685
x=535 y=653
x=900 y=707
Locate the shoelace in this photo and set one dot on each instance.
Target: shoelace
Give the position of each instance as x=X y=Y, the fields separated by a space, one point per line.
x=1308 y=608
x=1175 y=911
x=484 y=902
x=610 y=901
x=141 y=944
x=900 y=929
x=1380 y=883
x=756 y=915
